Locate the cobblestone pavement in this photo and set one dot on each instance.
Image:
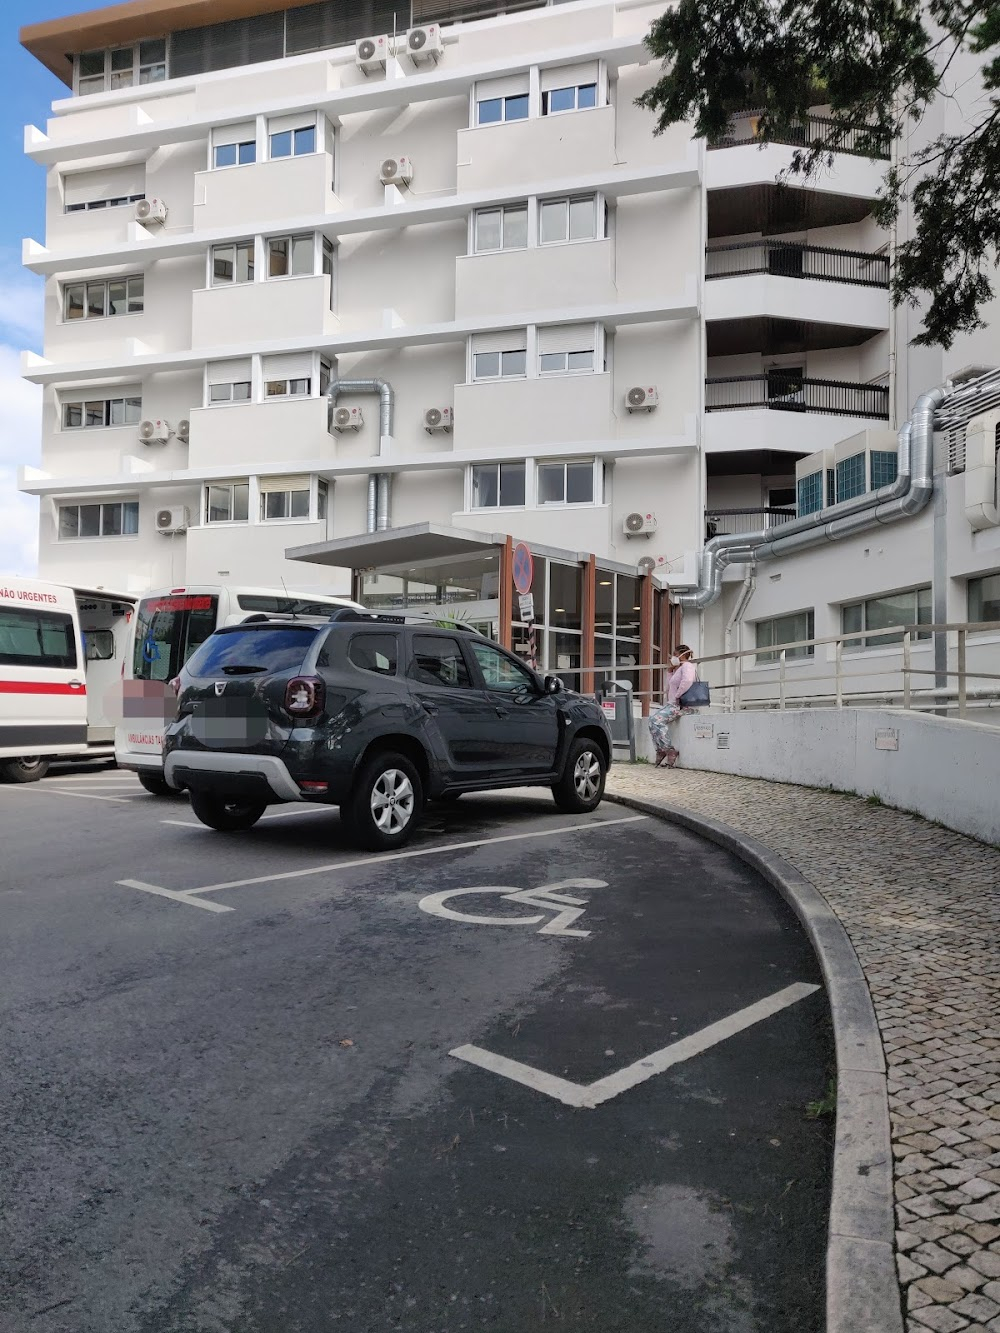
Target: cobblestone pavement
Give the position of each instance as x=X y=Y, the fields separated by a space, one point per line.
x=922 y=907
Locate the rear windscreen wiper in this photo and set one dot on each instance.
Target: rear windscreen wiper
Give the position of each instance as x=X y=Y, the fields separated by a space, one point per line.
x=242 y=670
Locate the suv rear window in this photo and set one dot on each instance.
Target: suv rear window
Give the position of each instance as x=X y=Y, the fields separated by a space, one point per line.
x=255 y=651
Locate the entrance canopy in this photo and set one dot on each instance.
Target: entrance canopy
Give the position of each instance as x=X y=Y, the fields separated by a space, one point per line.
x=418 y=544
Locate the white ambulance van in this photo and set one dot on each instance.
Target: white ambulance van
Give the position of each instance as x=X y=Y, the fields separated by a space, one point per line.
x=61 y=655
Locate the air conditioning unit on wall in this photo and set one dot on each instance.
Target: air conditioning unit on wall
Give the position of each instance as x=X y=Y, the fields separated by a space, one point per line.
x=151 y=212
x=169 y=521
x=396 y=171
x=639 y=525
x=422 y=45
x=437 y=418
x=642 y=398
x=183 y=430
x=982 y=439
x=370 y=53
x=649 y=563
x=347 y=418
x=154 y=431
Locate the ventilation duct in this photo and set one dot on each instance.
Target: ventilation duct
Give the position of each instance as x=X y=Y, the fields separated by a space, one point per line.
x=378 y=513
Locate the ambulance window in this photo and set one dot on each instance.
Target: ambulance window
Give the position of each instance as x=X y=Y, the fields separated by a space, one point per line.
x=36 y=638
x=100 y=644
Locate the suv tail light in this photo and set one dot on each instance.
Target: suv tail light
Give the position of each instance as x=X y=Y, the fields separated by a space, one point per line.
x=305 y=696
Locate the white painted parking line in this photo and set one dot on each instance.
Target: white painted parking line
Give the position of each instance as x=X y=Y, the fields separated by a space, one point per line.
x=278 y=814
x=48 y=790
x=586 y=1096
x=186 y=895
x=175 y=894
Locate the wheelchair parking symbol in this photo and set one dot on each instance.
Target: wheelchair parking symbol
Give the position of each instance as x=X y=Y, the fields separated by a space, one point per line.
x=559 y=910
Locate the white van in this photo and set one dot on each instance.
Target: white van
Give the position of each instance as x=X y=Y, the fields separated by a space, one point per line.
x=168 y=626
x=61 y=655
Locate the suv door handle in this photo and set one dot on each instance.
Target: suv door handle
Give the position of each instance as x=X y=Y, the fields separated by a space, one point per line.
x=428 y=707
x=501 y=712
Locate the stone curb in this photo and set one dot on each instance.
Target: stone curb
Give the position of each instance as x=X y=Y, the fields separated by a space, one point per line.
x=862 y=1286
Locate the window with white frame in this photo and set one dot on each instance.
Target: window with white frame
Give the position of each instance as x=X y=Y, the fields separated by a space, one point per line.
x=117 y=519
x=103 y=297
x=283 y=498
x=121 y=66
x=570 y=219
x=109 y=187
x=499 y=100
x=232 y=262
x=288 y=375
x=569 y=88
x=568 y=349
x=227 y=502
x=234 y=145
x=229 y=381
x=500 y=228
x=96 y=413
x=784 y=629
x=498 y=356
x=912 y=607
x=293 y=137
x=498 y=485
x=291 y=256
x=571 y=483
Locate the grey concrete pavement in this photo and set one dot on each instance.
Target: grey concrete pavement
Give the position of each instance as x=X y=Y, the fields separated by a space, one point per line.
x=245 y=1121
x=921 y=906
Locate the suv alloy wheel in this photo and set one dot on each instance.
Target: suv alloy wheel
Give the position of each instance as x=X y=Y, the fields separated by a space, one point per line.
x=386 y=804
x=582 y=783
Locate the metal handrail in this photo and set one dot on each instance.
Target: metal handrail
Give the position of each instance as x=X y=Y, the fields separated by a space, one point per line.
x=859 y=140
x=792 y=259
x=781 y=391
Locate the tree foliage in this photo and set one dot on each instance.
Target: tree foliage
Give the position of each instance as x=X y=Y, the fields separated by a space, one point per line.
x=881 y=65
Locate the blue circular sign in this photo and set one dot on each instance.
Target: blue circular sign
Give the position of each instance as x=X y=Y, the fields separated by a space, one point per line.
x=524 y=568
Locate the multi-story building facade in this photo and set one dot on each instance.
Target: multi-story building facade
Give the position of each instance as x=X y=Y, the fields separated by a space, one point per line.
x=582 y=323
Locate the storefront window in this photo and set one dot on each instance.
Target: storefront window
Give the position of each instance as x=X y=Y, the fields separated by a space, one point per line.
x=567 y=659
x=565 y=596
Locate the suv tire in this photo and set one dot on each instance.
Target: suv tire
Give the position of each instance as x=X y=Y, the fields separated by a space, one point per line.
x=581 y=786
x=226 y=816
x=156 y=785
x=26 y=769
x=386 y=804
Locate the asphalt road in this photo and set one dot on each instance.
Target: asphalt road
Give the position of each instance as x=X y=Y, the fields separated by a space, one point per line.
x=249 y=1117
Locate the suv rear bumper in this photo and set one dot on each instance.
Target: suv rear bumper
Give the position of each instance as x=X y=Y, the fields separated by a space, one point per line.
x=258 y=774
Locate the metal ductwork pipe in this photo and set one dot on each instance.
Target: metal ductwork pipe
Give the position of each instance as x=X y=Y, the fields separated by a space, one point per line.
x=907 y=496
x=378 y=515
x=383 y=501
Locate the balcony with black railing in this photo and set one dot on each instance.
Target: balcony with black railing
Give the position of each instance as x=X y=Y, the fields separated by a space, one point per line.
x=811 y=132
x=734 y=522
x=786 y=391
x=790 y=259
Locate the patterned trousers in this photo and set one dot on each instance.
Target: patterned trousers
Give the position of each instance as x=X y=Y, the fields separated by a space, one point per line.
x=660 y=721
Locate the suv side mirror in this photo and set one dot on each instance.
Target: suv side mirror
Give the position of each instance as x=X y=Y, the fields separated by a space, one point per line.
x=553 y=685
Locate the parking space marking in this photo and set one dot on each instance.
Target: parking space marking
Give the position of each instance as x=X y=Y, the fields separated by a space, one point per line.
x=587 y=1096
x=176 y=894
x=187 y=895
x=79 y=795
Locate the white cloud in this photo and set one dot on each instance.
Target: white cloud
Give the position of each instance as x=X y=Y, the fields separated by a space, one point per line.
x=21 y=303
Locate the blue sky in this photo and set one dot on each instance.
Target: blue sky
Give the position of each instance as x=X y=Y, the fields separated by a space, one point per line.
x=29 y=90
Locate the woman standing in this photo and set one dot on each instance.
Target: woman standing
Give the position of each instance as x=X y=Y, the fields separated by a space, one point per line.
x=661 y=719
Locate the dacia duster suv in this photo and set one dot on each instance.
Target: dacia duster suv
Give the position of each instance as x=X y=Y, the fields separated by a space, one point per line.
x=374 y=716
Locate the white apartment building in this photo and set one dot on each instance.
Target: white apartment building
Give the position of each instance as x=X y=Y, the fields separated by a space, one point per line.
x=596 y=340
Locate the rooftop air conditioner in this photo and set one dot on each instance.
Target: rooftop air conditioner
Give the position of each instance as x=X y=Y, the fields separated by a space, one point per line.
x=171 y=520
x=437 y=418
x=154 y=431
x=183 y=430
x=396 y=171
x=424 y=45
x=649 y=563
x=639 y=525
x=370 y=53
x=347 y=418
x=642 y=398
x=151 y=212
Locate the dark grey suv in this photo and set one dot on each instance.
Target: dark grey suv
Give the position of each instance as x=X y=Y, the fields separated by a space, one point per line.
x=375 y=716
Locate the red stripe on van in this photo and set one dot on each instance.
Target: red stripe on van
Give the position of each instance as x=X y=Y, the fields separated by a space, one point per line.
x=39 y=687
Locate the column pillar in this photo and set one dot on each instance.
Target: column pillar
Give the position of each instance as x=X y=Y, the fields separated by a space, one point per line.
x=645 y=641
x=588 y=615
x=506 y=592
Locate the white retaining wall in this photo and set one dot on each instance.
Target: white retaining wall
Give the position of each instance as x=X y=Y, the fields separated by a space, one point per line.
x=945 y=770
